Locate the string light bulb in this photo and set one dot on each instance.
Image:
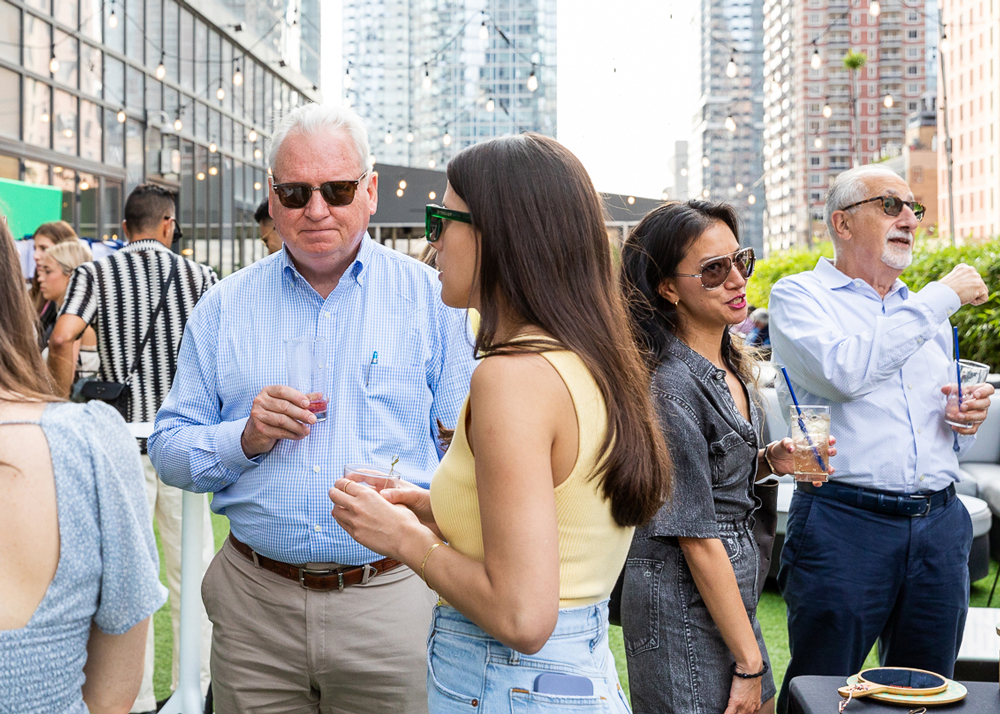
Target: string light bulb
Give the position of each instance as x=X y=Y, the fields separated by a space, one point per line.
x=704 y=161
x=875 y=8
x=739 y=188
x=388 y=137
x=409 y=137
x=257 y=153
x=484 y=31
x=432 y=195
x=121 y=116
x=705 y=193
x=212 y=171
x=237 y=77
x=446 y=139
x=751 y=199
x=816 y=62
x=532 y=80
x=200 y=176
x=730 y=123
x=252 y=136
x=53 y=63
x=426 y=83
x=888 y=101
x=818 y=143
x=348 y=81
x=399 y=192
x=84 y=185
x=220 y=93
x=161 y=69
x=631 y=200
x=490 y=105
x=431 y=164
x=112 y=18
x=731 y=68
x=402 y=184
x=827 y=110
x=945 y=44
x=256 y=185
x=213 y=147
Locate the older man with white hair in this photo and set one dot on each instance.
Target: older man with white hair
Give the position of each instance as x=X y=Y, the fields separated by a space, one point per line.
x=881 y=551
x=305 y=618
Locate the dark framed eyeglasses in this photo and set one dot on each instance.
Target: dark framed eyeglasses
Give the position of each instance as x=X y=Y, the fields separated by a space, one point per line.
x=893 y=206
x=335 y=193
x=434 y=217
x=714 y=271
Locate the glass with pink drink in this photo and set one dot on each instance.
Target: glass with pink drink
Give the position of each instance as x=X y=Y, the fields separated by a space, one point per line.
x=373 y=476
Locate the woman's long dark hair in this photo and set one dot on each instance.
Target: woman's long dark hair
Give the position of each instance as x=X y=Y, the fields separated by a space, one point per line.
x=545 y=260
x=651 y=254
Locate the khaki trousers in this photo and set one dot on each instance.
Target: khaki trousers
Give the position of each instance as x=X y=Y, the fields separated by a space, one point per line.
x=278 y=647
x=165 y=509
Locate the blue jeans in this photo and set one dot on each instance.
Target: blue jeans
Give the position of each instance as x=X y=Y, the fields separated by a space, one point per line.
x=851 y=577
x=470 y=671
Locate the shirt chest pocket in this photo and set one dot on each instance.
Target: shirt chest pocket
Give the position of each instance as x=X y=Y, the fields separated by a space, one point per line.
x=396 y=401
x=731 y=459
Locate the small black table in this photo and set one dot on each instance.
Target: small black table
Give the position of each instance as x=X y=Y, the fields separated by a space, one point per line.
x=818 y=695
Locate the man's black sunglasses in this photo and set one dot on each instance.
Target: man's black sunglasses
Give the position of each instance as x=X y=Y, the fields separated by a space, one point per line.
x=434 y=217
x=893 y=206
x=335 y=193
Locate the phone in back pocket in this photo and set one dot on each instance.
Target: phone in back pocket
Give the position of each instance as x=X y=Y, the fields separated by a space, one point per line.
x=567 y=684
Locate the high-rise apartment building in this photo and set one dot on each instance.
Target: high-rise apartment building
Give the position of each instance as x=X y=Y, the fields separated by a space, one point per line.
x=726 y=161
x=98 y=97
x=822 y=118
x=972 y=71
x=434 y=77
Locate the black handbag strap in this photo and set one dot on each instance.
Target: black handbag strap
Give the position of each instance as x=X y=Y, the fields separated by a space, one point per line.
x=152 y=320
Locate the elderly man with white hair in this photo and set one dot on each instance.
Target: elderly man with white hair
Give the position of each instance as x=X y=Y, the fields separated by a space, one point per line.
x=305 y=618
x=881 y=551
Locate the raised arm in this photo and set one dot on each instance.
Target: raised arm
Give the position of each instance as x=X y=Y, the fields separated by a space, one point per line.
x=842 y=367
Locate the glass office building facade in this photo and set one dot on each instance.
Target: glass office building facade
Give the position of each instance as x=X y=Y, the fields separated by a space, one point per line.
x=97 y=97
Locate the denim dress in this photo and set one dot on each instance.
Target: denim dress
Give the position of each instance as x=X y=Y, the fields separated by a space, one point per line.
x=677 y=659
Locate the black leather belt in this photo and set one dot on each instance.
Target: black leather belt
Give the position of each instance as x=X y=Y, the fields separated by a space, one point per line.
x=887 y=502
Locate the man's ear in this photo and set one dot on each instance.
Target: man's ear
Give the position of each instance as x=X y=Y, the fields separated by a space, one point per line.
x=668 y=291
x=125 y=232
x=841 y=221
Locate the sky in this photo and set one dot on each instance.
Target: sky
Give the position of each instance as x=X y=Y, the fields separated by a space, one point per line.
x=627 y=85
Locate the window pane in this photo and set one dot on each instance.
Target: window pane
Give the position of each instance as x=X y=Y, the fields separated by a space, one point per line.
x=114 y=37
x=66 y=180
x=37 y=45
x=133 y=29
x=43 y=5
x=91 y=70
x=134 y=160
x=114 y=81
x=10 y=104
x=154 y=31
x=10 y=33
x=65 y=136
x=187 y=48
x=66 y=12
x=65 y=49
x=91 y=24
x=114 y=139
x=202 y=69
x=37 y=113
x=170 y=35
x=90 y=130
x=36 y=172
x=88 y=205
x=201 y=204
x=134 y=87
x=186 y=202
x=111 y=210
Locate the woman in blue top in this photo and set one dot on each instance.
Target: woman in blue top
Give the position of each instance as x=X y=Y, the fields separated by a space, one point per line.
x=78 y=562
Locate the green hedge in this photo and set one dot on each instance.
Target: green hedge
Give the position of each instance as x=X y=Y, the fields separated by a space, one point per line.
x=978 y=327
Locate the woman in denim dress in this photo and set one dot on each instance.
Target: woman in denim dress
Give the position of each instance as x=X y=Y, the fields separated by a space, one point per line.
x=691 y=581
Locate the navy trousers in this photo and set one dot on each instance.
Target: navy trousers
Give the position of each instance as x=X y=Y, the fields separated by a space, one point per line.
x=851 y=577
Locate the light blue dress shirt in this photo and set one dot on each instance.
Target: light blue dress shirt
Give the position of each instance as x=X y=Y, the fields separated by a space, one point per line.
x=379 y=408
x=880 y=365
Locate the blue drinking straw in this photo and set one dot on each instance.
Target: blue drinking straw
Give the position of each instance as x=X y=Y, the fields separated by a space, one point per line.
x=802 y=423
x=958 y=375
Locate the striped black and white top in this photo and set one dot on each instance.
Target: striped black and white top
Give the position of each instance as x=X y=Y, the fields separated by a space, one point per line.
x=117 y=295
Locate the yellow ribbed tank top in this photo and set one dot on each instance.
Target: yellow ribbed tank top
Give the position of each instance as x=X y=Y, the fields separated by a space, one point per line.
x=592 y=547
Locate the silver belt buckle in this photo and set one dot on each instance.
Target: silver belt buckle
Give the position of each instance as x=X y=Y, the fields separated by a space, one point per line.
x=308 y=571
x=927 y=502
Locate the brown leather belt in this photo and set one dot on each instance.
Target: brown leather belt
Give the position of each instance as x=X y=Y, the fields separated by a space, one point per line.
x=311 y=579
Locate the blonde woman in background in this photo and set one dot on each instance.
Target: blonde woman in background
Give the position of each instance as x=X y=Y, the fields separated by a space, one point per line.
x=46 y=236
x=53 y=271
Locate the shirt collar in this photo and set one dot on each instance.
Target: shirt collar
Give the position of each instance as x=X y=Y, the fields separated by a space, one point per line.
x=699 y=366
x=833 y=279
x=144 y=244
x=356 y=270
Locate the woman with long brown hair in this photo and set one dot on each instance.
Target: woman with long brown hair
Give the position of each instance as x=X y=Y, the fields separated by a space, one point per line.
x=556 y=456
x=79 y=575
x=47 y=236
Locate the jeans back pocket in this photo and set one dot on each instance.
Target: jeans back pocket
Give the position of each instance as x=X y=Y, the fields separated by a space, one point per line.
x=524 y=702
x=641 y=605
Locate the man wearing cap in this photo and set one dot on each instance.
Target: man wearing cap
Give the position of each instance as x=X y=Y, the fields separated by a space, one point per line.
x=305 y=618
x=881 y=551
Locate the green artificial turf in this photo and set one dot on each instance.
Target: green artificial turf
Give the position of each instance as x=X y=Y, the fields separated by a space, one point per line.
x=770 y=612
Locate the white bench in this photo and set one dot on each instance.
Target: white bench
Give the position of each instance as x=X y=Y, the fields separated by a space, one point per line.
x=979 y=657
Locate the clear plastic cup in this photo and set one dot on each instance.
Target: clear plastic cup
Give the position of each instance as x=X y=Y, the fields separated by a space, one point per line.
x=811 y=436
x=307 y=364
x=973 y=374
x=373 y=476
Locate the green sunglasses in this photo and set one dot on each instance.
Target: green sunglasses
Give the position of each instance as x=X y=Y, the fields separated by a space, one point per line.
x=434 y=216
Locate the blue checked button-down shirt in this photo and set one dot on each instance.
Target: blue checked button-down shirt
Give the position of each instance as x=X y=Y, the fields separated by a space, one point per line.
x=880 y=365
x=233 y=347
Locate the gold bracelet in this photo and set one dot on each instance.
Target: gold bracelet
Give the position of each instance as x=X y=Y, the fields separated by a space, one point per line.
x=424 y=564
x=767 y=458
